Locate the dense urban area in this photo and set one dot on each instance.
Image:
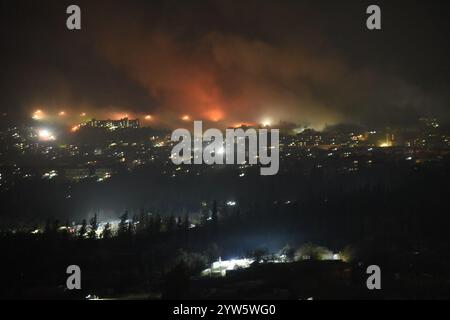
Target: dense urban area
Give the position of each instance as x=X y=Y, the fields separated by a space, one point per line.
x=106 y=195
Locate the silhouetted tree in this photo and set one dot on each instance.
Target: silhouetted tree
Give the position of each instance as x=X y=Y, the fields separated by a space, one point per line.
x=55 y=225
x=142 y=223
x=259 y=254
x=130 y=229
x=205 y=216
x=170 y=224
x=106 y=234
x=48 y=227
x=83 y=229
x=65 y=232
x=156 y=224
x=93 y=227
x=185 y=223
x=123 y=224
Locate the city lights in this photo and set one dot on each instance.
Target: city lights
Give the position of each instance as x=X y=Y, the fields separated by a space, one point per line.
x=148 y=117
x=243 y=124
x=38 y=115
x=185 y=118
x=62 y=113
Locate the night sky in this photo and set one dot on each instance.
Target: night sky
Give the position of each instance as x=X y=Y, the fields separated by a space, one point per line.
x=308 y=62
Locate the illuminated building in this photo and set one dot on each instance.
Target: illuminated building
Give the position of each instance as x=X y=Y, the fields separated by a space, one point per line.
x=389 y=141
x=124 y=123
x=220 y=268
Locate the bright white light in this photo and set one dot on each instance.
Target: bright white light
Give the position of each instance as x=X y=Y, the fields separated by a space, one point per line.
x=222 y=266
x=45 y=135
x=231 y=203
x=50 y=175
x=92 y=297
x=266 y=123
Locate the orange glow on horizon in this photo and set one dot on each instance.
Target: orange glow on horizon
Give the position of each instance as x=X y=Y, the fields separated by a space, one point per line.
x=244 y=124
x=117 y=115
x=215 y=115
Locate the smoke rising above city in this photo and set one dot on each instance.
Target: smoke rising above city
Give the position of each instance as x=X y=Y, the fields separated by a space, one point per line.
x=234 y=63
